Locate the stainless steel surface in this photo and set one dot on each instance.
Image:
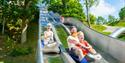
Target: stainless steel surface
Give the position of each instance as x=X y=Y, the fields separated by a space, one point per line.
x=116 y=33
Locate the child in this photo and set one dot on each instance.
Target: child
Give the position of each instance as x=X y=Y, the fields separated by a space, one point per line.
x=88 y=48
x=72 y=42
x=48 y=35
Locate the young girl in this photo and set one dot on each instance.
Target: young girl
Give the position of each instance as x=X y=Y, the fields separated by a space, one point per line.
x=48 y=35
x=85 y=44
x=87 y=48
x=72 y=42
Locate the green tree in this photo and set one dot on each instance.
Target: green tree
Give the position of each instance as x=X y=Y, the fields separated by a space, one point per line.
x=4 y=6
x=112 y=20
x=16 y=14
x=100 y=20
x=92 y=19
x=89 y=4
x=122 y=13
x=67 y=8
x=64 y=2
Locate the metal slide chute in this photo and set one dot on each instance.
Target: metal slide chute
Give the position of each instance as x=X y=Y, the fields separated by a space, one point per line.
x=118 y=32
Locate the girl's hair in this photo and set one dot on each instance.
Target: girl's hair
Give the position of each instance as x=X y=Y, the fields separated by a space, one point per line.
x=73 y=28
x=80 y=33
x=49 y=26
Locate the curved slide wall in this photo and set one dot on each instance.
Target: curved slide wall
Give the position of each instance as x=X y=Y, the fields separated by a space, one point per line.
x=114 y=47
x=116 y=33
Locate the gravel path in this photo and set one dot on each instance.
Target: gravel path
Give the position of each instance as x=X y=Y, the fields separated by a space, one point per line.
x=110 y=28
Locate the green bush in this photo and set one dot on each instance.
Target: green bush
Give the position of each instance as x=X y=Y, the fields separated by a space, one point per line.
x=122 y=37
x=8 y=44
x=14 y=49
x=20 y=51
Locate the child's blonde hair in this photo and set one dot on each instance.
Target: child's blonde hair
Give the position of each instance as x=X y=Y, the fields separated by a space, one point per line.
x=80 y=33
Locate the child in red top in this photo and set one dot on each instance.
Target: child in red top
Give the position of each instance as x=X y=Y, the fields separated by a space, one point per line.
x=73 y=41
x=87 y=47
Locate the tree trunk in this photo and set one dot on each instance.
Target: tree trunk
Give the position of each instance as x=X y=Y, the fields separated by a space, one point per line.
x=3 y=26
x=87 y=10
x=24 y=34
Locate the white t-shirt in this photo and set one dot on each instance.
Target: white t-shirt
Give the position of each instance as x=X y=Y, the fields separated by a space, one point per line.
x=72 y=41
x=49 y=38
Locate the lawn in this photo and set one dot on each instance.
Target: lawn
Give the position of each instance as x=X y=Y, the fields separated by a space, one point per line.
x=55 y=59
x=98 y=28
x=62 y=35
x=32 y=36
x=106 y=33
x=121 y=24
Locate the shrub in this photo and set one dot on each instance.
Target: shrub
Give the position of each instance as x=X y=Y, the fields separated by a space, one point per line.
x=8 y=44
x=20 y=51
x=122 y=37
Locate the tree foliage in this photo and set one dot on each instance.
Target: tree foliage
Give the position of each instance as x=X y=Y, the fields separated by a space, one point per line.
x=122 y=13
x=88 y=4
x=17 y=13
x=67 y=8
x=112 y=20
x=92 y=2
x=92 y=19
x=100 y=20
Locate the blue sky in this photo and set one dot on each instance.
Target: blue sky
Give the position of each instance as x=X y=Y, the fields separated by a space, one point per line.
x=108 y=7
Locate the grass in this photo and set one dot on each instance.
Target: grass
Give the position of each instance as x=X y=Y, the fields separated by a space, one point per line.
x=121 y=24
x=32 y=34
x=101 y=28
x=55 y=60
x=98 y=28
x=62 y=35
x=122 y=37
x=106 y=33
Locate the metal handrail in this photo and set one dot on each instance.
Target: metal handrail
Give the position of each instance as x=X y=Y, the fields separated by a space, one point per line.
x=39 y=50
